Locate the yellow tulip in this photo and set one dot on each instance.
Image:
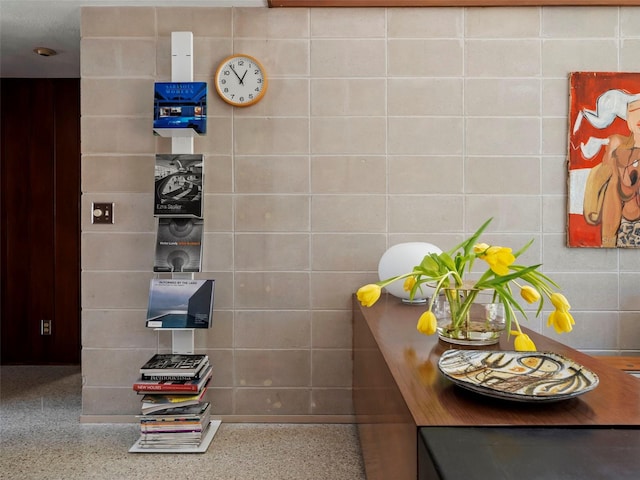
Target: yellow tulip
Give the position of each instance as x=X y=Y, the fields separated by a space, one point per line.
x=369 y=294
x=561 y=320
x=499 y=259
x=427 y=323
x=480 y=247
x=530 y=294
x=523 y=343
x=409 y=283
x=560 y=302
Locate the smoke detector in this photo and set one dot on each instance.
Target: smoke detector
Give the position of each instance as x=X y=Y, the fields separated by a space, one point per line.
x=45 y=52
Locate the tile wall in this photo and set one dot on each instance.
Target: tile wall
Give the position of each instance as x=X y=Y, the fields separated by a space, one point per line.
x=379 y=126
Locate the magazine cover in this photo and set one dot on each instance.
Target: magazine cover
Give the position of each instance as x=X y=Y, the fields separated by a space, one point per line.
x=180 y=303
x=180 y=106
x=178 y=245
x=178 y=185
x=174 y=363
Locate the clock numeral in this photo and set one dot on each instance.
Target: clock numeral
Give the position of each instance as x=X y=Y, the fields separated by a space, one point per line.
x=241 y=99
x=223 y=81
x=226 y=72
x=259 y=80
x=251 y=96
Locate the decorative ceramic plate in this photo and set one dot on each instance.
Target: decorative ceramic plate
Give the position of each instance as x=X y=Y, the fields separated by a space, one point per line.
x=520 y=376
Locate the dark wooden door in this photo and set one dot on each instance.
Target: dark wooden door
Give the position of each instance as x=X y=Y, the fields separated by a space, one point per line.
x=40 y=205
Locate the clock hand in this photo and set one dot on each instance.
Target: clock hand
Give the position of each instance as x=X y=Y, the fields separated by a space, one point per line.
x=234 y=71
x=243 y=75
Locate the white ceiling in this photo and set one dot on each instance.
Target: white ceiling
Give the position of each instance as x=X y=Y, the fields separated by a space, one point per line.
x=27 y=24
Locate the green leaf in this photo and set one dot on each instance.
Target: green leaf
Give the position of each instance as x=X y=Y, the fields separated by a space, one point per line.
x=430 y=265
x=447 y=262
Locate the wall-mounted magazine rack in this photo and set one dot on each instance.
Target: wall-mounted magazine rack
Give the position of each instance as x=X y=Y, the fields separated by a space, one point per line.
x=182 y=335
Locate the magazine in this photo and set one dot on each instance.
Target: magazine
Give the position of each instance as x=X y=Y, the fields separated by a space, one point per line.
x=178 y=185
x=158 y=402
x=178 y=245
x=188 y=386
x=180 y=108
x=177 y=303
x=174 y=363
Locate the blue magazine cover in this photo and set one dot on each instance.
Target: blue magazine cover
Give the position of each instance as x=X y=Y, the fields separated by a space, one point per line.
x=180 y=106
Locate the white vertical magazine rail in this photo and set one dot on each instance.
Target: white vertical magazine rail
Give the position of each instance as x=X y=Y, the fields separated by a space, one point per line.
x=182 y=339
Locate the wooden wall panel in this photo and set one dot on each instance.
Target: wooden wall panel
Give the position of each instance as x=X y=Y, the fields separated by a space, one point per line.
x=40 y=122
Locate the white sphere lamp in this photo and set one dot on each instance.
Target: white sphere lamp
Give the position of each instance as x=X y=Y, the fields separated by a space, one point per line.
x=401 y=258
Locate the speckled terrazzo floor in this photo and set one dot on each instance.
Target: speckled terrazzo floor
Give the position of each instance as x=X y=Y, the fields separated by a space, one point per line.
x=41 y=439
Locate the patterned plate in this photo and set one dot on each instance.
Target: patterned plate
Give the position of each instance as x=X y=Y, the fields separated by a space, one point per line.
x=520 y=376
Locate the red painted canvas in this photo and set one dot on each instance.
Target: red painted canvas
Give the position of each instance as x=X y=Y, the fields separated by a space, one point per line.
x=604 y=156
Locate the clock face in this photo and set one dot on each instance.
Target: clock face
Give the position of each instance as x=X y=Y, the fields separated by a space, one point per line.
x=241 y=80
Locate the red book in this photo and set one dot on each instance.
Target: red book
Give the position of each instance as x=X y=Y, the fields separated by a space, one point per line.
x=173 y=386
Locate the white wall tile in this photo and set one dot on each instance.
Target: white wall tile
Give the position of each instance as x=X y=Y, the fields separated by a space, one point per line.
x=560 y=57
x=271 y=23
x=348 y=174
x=580 y=22
x=424 y=96
x=350 y=135
x=331 y=22
x=348 y=213
x=502 y=97
x=270 y=135
x=424 y=22
x=502 y=22
x=513 y=213
x=502 y=58
x=486 y=174
x=347 y=58
x=335 y=97
x=425 y=135
x=425 y=58
x=502 y=136
x=425 y=214
x=629 y=61
x=426 y=174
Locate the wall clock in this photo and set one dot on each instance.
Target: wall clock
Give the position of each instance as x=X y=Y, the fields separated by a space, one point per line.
x=241 y=80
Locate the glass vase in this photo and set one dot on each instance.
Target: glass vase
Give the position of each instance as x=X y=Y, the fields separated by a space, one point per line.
x=468 y=317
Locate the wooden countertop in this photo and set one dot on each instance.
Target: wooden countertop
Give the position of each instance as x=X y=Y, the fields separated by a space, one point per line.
x=432 y=400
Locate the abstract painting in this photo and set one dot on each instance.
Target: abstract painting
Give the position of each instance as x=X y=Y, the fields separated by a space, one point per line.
x=604 y=156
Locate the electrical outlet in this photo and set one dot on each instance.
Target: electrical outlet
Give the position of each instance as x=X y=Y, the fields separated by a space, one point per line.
x=102 y=213
x=45 y=327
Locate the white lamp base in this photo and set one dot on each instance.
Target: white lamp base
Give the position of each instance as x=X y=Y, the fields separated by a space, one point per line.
x=400 y=259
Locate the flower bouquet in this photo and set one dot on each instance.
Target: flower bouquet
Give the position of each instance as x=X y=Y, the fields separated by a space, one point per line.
x=445 y=273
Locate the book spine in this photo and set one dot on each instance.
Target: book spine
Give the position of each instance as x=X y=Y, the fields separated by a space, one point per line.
x=143 y=387
x=160 y=378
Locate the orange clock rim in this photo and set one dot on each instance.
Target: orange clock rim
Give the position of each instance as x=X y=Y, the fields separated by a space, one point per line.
x=265 y=82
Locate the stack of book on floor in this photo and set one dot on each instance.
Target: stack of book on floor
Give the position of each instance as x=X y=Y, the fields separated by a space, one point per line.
x=174 y=416
x=175 y=427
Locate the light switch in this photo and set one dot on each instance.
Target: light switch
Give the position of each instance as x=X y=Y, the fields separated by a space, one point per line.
x=102 y=213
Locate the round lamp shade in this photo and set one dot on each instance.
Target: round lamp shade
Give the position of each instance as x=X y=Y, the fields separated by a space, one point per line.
x=401 y=258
